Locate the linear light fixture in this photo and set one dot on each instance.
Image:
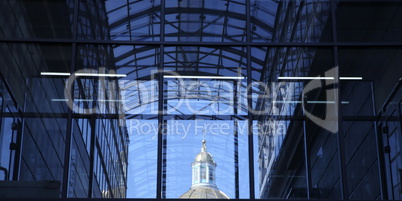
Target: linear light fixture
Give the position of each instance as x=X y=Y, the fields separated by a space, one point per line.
x=321 y=102
x=100 y=74
x=84 y=74
x=204 y=77
x=312 y=102
x=319 y=78
x=55 y=73
x=305 y=78
x=350 y=78
x=286 y=102
x=58 y=99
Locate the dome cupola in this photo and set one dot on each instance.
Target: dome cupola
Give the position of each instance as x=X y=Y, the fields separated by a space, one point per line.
x=203 y=177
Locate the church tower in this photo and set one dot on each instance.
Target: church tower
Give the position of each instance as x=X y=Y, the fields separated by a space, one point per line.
x=203 y=178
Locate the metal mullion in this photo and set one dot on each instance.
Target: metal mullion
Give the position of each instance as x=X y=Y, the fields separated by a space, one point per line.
x=230 y=50
x=220 y=60
x=206 y=55
x=175 y=58
x=249 y=104
x=129 y=21
x=307 y=161
x=115 y=9
x=212 y=44
x=114 y=138
x=179 y=30
x=67 y=153
x=225 y=20
x=198 y=57
x=210 y=23
x=201 y=27
x=136 y=72
x=160 y=161
x=185 y=60
x=380 y=151
x=134 y=16
x=93 y=31
x=92 y=155
x=103 y=165
x=236 y=142
x=341 y=149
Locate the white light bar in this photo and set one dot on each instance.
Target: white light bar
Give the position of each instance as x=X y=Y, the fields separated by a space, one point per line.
x=100 y=75
x=203 y=77
x=321 y=102
x=311 y=102
x=305 y=78
x=55 y=73
x=84 y=74
x=350 y=78
x=57 y=99
x=319 y=78
x=286 y=102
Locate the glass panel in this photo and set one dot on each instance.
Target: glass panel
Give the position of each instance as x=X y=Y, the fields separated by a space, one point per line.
x=379 y=65
x=203 y=82
x=366 y=69
x=206 y=21
x=36 y=19
x=290 y=21
x=369 y=21
x=142 y=170
x=283 y=97
x=133 y=20
x=324 y=162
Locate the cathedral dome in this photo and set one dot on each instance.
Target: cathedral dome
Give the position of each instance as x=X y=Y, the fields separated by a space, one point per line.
x=204 y=193
x=203 y=177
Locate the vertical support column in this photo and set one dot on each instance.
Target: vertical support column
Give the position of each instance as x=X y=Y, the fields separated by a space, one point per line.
x=340 y=139
x=92 y=155
x=160 y=124
x=249 y=104
x=236 y=158
x=164 y=152
x=92 y=123
x=67 y=152
x=160 y=192
x=306 y=161
x=380 y=152
x=236 y=141
x=17 y=127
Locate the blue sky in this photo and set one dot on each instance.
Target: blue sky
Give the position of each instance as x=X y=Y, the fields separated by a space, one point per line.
x=180 y=154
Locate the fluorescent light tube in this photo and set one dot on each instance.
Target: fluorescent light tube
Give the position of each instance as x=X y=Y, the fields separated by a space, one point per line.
x=319 y=78
x=100 y=75
x=83 y=74
x=203 y=77
x=55 y=73
x=305 y=78
x=350 y=78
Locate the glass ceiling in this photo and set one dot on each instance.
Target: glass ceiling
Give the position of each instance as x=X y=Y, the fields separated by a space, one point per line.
x=187 y=21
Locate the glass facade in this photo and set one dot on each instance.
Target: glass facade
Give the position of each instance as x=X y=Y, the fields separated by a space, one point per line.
x=298 y=99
